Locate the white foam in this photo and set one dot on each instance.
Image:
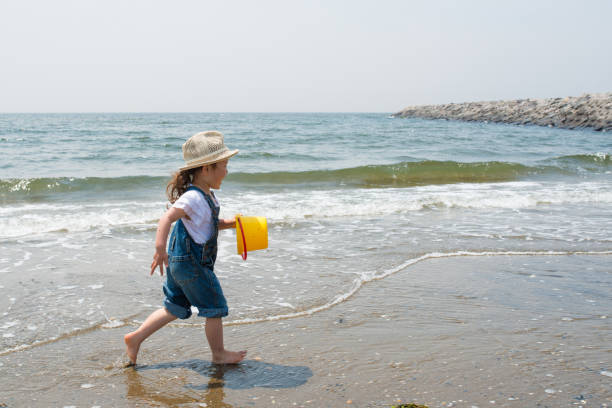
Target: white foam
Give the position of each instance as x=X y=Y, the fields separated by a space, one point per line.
x=26 y=257
x=23 y=185
x=295 y=205
x=24 y=221
x=113 y=323
x=285 y=304
x=36 y=219
x=9 y=324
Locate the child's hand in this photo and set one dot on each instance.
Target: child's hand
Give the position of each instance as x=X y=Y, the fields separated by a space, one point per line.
x=235 y=220
x=159 y=259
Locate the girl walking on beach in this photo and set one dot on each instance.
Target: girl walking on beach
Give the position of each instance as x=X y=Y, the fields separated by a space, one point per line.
x=192 y=250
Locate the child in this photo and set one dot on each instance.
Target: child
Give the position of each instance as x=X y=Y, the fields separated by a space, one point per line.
x=190 y=278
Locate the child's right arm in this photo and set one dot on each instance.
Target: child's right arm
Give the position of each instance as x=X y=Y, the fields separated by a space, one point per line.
x=160 y=258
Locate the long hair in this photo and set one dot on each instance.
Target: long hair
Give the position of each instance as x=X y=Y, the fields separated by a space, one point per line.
x=179 y=182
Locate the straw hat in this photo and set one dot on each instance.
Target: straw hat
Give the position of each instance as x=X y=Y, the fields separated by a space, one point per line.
x=205 y=148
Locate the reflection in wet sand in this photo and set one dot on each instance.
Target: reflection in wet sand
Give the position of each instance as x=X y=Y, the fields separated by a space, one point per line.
x=248 y=374
x=148 y=391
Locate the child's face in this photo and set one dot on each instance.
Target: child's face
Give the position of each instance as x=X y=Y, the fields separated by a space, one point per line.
x=215 y=175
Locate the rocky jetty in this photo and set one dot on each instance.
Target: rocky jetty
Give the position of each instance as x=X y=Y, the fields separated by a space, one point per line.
x=586 y=111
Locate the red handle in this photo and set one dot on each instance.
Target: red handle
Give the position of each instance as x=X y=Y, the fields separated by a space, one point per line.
x=244 y=248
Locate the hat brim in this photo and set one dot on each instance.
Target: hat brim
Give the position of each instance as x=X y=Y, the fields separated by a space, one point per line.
x=205 y=161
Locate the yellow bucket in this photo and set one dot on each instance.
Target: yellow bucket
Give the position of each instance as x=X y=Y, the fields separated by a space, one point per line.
x=251 y=234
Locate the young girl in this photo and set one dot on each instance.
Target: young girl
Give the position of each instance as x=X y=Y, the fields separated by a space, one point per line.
x=192 y=250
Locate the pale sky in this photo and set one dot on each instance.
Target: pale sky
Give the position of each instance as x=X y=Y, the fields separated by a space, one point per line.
x=296 y=56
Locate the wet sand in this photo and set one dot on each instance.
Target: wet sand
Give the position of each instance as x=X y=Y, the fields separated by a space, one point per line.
x=515 y=331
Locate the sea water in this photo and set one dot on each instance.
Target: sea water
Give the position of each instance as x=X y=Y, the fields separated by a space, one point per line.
x=350 y=199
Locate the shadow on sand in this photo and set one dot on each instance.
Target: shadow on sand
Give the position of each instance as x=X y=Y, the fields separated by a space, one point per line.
x=247 y=374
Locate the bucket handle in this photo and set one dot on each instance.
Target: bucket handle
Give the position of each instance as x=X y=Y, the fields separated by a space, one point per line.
x=244 y=247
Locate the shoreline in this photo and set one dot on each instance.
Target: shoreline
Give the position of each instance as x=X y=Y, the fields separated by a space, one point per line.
x=573 y=112
x=460 y=331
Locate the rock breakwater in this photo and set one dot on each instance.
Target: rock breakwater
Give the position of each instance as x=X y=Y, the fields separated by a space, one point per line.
x=586 y=111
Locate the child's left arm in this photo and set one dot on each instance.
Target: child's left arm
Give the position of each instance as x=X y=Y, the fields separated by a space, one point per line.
x=227 y=223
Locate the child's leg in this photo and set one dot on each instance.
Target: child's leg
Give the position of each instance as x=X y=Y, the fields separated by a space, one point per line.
x=154 y=322
x=214 y=335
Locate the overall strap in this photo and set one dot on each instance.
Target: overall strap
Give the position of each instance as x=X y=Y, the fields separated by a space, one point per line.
x=210 y=247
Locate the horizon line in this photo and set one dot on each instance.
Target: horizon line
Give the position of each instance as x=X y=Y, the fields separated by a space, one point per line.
x=189 y=112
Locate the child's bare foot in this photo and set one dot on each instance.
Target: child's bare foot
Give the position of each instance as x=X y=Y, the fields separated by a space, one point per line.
x=229 y=357
x=132 y=345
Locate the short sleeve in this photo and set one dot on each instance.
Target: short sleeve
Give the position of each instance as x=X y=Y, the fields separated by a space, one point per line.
x=190 y=202
x=200 y=223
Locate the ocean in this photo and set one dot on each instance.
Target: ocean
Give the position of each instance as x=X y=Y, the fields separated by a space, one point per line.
x=350 y=200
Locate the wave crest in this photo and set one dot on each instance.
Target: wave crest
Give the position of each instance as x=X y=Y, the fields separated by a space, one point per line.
x=403 y=174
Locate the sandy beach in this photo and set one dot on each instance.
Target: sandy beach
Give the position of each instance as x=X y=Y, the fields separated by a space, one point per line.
x=442 y=332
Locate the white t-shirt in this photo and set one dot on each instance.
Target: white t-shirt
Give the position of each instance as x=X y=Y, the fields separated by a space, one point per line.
x=200 y=225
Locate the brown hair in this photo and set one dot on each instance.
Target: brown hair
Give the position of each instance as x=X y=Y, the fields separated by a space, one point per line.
x=180 y=181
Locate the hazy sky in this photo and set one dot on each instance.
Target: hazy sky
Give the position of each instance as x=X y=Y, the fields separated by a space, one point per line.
x=302 y=56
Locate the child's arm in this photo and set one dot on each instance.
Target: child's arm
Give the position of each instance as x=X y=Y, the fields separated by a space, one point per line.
x=160 y=258
x=227 y=223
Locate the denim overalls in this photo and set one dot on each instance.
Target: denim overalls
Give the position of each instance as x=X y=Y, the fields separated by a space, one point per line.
x=190 y=279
